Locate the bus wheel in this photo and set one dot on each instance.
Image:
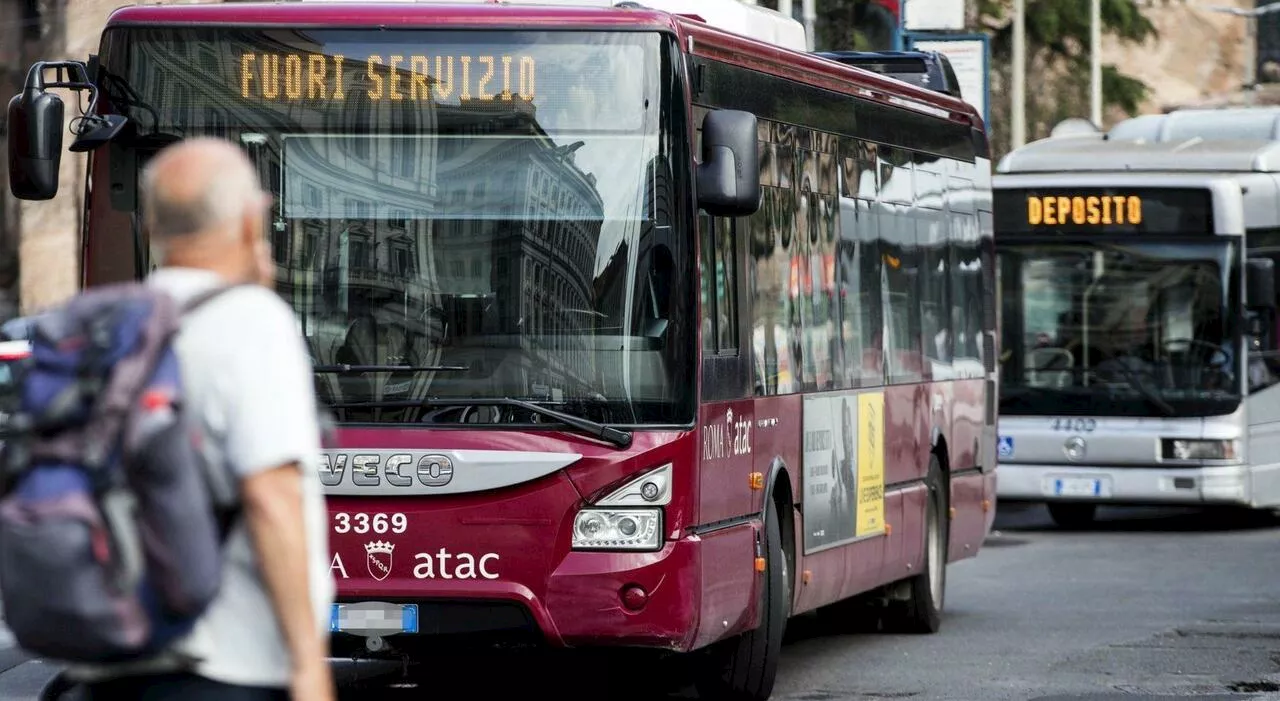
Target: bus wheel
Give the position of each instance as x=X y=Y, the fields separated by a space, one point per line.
x=1069 y=515
x=744 y=668
x=921 y=612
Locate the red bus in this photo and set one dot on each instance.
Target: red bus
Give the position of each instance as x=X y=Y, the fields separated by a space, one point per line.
x=639 y=332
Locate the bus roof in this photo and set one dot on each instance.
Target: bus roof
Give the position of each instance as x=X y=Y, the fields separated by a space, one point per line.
x=1184 y=141
x=750 y=36
x=760 y=23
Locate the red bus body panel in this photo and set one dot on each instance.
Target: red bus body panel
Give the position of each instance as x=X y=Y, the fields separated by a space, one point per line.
x=574 y=597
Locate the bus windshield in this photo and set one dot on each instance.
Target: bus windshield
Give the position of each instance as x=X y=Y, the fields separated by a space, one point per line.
x=1119 y=328
x=459 y=214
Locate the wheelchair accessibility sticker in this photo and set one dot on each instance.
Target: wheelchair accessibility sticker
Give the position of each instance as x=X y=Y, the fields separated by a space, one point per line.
x=1004 y=446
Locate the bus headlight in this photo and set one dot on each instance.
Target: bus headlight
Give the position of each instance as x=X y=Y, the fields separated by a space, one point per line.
x=628 y=518
x=618 y=529
x=1188 y=449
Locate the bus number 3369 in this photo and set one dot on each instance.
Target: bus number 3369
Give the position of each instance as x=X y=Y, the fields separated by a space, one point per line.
x=364 y=523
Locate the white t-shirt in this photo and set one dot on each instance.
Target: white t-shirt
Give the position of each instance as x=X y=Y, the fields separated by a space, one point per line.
x=246 y=370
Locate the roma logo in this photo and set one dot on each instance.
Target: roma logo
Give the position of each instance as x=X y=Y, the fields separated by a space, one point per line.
x=378 y=558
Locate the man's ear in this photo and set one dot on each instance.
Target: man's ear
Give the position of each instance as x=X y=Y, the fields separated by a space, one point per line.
x=255 y=222
x=252 y=228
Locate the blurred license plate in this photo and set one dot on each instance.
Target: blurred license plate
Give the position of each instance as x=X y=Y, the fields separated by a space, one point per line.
x=373 y=618
x=1077 y=487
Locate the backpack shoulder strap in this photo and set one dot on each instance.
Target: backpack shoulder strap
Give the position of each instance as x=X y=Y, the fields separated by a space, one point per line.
x=209 y=295
x=217 y=473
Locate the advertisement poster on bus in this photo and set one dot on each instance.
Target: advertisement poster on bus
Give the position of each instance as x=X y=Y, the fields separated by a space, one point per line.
x=870 y=504
x=843 y=479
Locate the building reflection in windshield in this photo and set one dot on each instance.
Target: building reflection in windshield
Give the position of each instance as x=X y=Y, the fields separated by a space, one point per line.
x=405 y=248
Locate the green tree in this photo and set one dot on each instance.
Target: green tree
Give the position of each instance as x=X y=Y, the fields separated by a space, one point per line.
x=1058 y=62
x=1057 y=55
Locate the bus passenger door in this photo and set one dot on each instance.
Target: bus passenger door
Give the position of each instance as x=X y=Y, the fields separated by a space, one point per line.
x=726 y=415
x=1262 y=357
x=727 y=497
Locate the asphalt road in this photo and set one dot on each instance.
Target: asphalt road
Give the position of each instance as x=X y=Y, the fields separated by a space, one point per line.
x=1146 y=606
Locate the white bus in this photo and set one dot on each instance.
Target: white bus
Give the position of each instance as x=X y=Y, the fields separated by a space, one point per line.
x=1138 y=360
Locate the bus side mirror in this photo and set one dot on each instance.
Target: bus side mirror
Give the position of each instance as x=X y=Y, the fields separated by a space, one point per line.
x=1260 y=283
x=35 y=144
x=729 y=175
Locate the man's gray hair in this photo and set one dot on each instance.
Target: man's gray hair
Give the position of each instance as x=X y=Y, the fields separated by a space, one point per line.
x=227 y=189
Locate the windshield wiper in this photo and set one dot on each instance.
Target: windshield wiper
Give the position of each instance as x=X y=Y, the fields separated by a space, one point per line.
x=616 y=436
x=346 y=369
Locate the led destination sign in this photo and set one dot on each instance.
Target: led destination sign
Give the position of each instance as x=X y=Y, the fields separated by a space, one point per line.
x=1104 y=210
x=346 y=79
x=1083 y=209
x=316 y=77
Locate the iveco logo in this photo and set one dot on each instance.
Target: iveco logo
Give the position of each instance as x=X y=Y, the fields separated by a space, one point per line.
x=390 y=469
x=1074 y=448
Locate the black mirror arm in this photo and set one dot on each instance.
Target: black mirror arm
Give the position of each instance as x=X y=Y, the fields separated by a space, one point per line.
x=71 y=75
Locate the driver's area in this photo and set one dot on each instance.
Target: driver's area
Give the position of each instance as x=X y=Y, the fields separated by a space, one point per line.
x=1118 y=328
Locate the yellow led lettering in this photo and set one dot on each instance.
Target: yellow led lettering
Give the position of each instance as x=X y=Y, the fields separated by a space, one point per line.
x=270 y=76
x=487 y=62
x=1079 y=210
x=419 y=88
x=316 y=89
x=526 y=78
x=293 y=76
x=302 y=76
x=395 y=77
x=375 y=93
x=338 y=92
x=246 y=73
x=466 y=78
x=506 y=78
x=444 y=77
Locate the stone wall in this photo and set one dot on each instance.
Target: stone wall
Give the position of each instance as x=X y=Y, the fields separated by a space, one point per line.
x=1197 y=59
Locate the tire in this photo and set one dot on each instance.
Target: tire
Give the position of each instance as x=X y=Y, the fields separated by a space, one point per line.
x=921 y=613
x=744 y=668
x=1070 y=515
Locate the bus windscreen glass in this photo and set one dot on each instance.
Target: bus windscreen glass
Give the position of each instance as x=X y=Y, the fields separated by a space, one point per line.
x=1113 y=210
x=1106 y=328
x=489 y=208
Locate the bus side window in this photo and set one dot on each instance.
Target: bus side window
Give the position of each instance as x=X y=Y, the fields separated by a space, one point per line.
x=935 y=271
x=706 y=264
x=719 y=285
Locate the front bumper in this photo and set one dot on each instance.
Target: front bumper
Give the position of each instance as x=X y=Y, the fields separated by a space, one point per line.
x=1133 y=486
x=582 y=603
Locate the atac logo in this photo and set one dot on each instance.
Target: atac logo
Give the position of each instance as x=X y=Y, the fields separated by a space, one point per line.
x=378 y=558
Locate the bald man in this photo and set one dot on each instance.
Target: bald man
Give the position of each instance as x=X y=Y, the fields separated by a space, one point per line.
x=248 y=374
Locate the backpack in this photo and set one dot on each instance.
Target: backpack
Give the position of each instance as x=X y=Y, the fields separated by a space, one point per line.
x=113 y=512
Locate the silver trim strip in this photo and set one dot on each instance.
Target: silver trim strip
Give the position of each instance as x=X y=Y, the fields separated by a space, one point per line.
x=399 y=473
